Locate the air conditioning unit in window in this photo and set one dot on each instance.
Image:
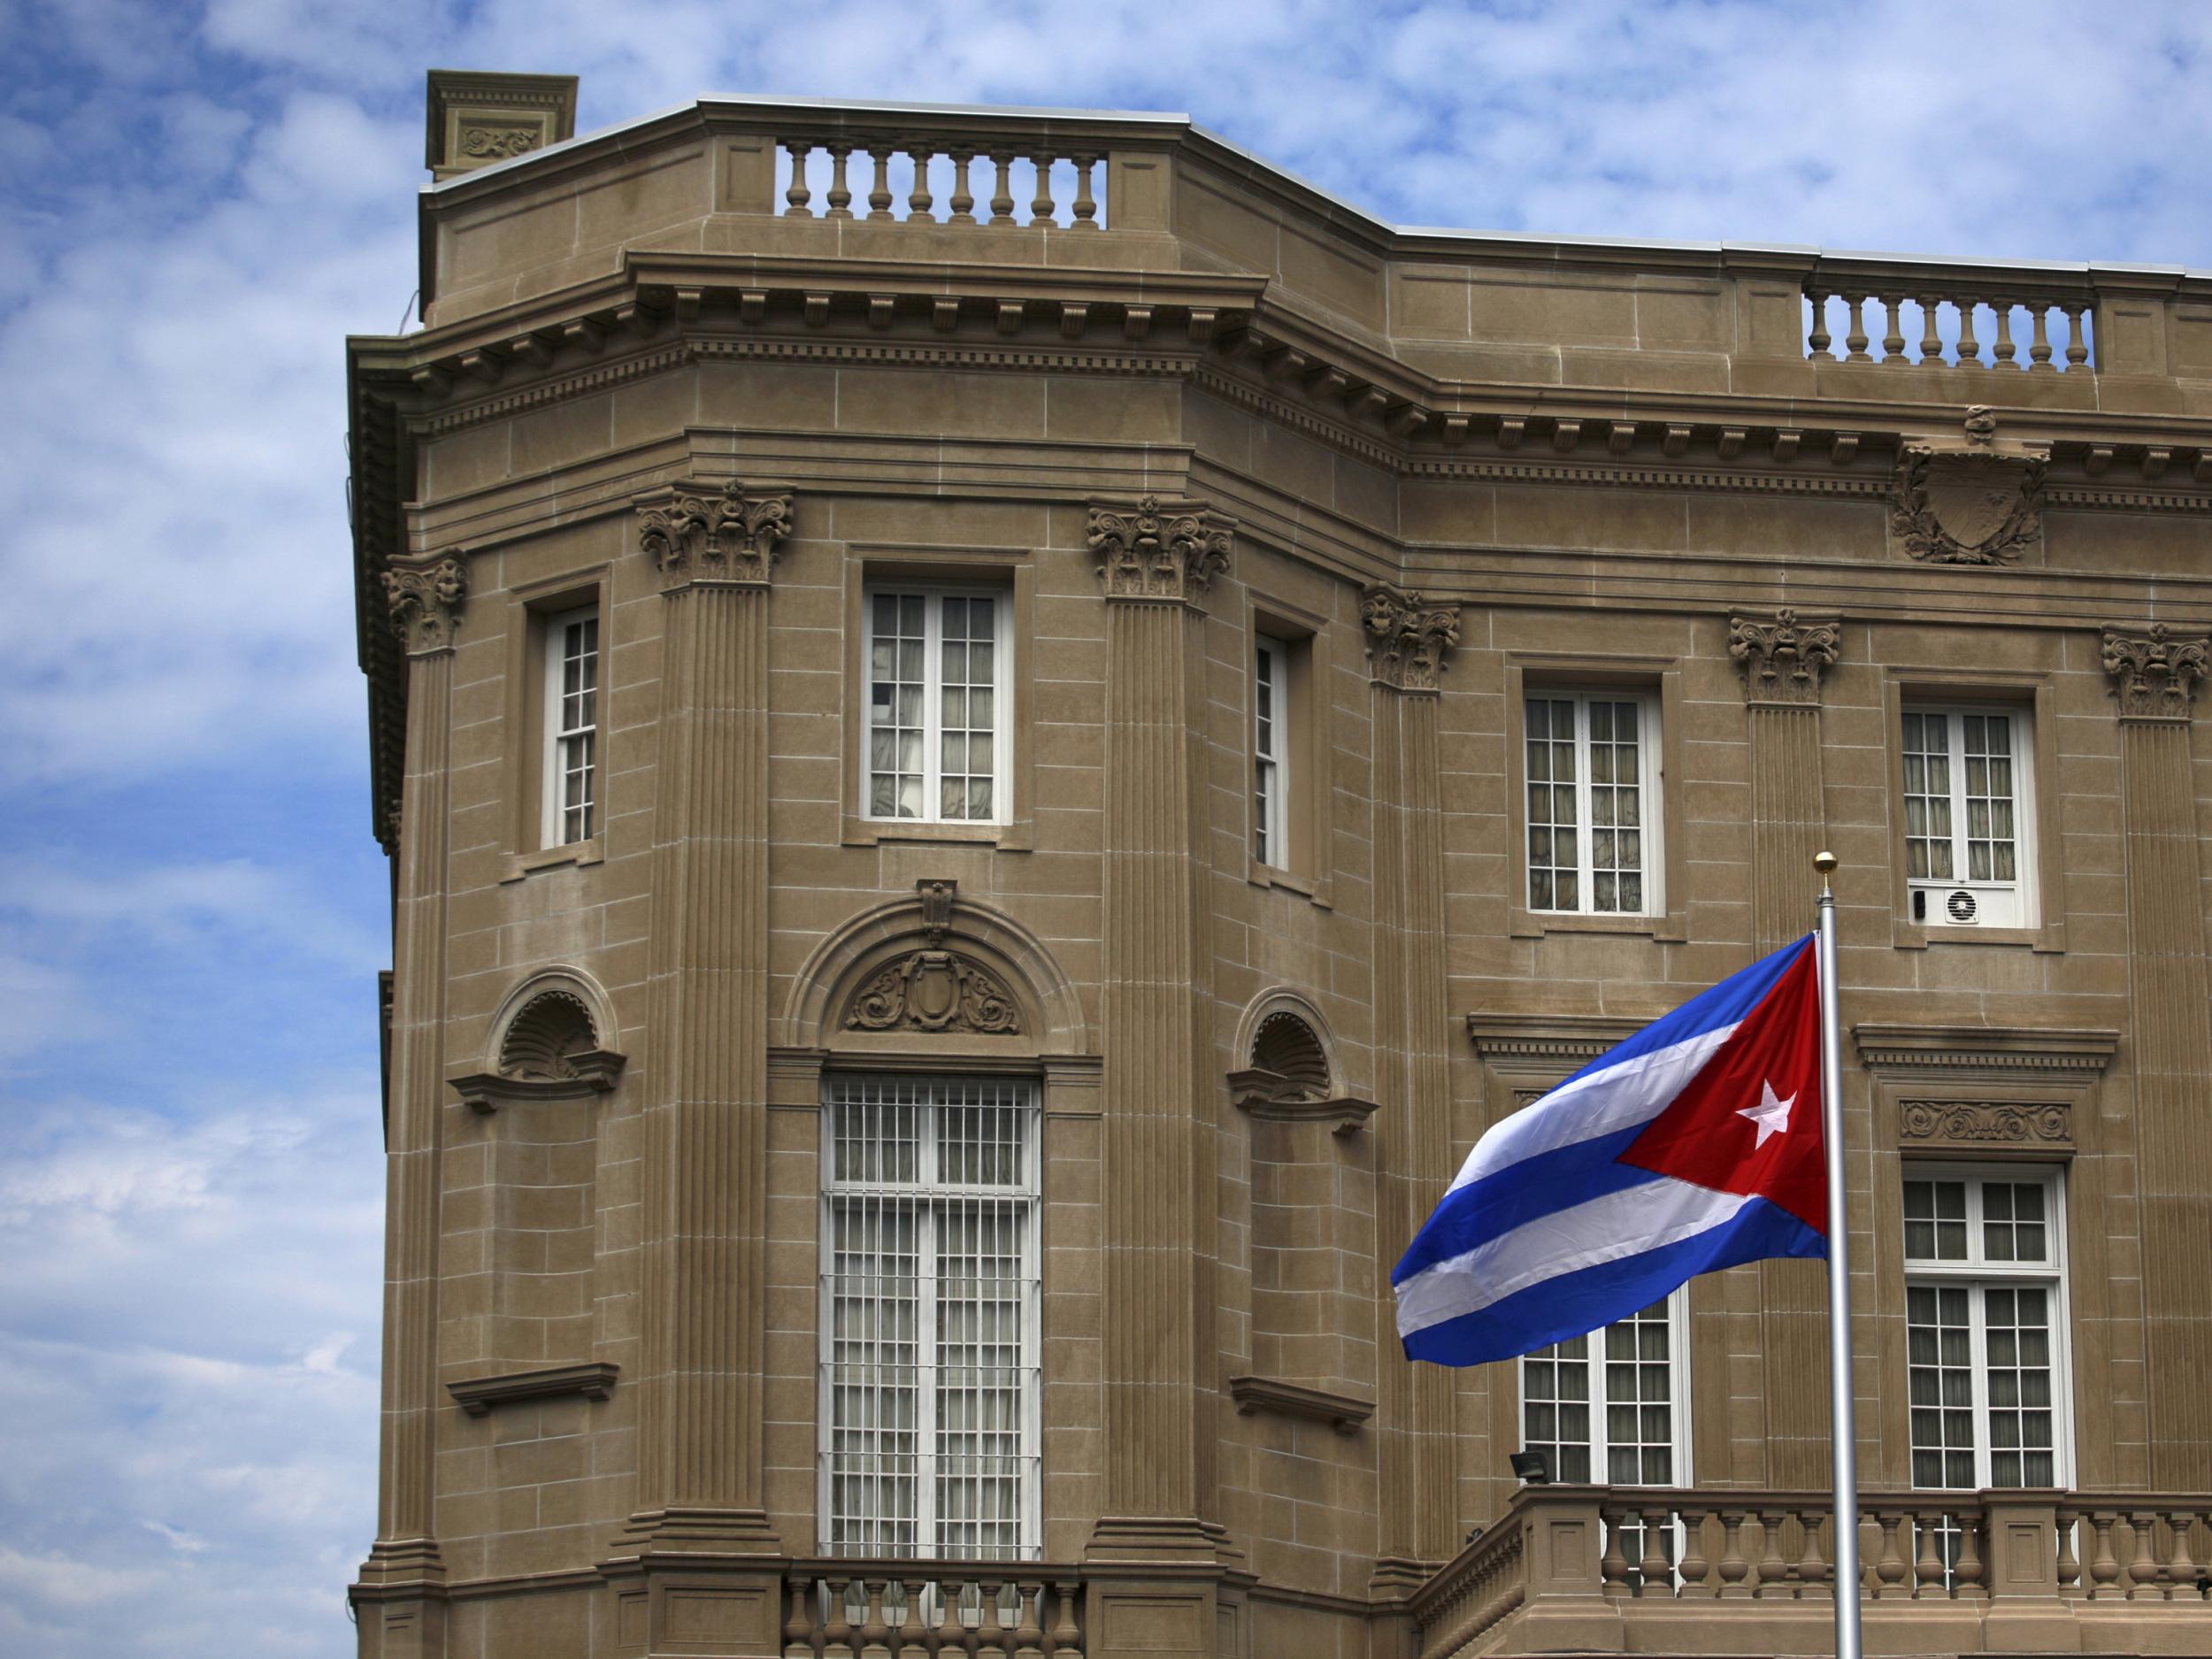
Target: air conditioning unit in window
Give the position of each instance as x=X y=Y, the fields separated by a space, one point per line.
x=1968 y=904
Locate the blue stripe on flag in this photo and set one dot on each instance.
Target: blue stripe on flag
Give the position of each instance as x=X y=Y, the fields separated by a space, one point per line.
x=1492 y=1207
x=1576 y=1303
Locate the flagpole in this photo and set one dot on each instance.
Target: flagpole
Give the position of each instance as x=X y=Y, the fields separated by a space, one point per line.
x=1843 y=1429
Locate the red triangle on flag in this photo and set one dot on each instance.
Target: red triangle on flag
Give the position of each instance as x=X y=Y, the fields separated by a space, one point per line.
x=1749 y=1122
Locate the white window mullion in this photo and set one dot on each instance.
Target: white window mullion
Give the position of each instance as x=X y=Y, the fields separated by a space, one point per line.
x=933 y=706
x=1978 y=1379
x=1586 y=833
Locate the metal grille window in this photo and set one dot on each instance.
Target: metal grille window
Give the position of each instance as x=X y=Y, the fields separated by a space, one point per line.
x=1968 y=844
x=937 y=706
x=929 y=1318
x=571 y=762
x=1271 y=686
x=1593 y=829
x=1985 y=1309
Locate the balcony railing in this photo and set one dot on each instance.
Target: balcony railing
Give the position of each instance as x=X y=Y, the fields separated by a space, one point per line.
x=918 y=1609
x=1573 y=1566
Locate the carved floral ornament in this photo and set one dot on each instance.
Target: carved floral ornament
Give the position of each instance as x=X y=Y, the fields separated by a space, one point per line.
x=1159 y=550
x=1410 y=638
x=697 y=532
x=2154 y=675
x=425 y=602
x=1782 y=659
x=1975 y=499
x=935 y=990
x=1976 y=1123
x=498 y=143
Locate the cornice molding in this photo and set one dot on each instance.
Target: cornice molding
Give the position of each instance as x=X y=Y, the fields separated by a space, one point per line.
x=702 y=534
x=1546 y=1044
x=476 y=1395
x=2154 y=676
x=2025 y=1052
x=1160 y=551
x=1344 y=1413
x=424 y=601
x=1260 y=1093
x=1410 y=636
x=595 y=1071
x=1782 y=656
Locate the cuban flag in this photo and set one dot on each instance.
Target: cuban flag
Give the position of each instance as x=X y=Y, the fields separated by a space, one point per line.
x=1695 y=1145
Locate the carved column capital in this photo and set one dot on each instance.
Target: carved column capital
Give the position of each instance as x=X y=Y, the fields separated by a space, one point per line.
x=1409 y=637
x=2154 y=675
x=1159 y=550
x=1783 y=656
x=697 y=532
x=426 y=602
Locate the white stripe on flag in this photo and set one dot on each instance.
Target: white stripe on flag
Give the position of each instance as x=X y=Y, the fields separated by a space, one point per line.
x=1633 y=1092
x=1608 y=1229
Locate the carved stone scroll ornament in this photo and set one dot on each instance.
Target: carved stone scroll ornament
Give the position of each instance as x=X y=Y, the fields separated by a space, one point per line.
x=699 y=534
x=1974 y=1123
x=1159 y=550
x=1410 y=638
x=2154 y=675
x=499 y=143
x=425 y=602
x=1782 y=660
x=1975 y=499
x=935 y=990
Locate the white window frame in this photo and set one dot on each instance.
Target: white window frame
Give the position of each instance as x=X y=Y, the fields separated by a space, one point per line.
x=1930 y=897
x=1678 y=1402
x=1272 y=738
x=553 y=753
x=933 y=594
x=1651 y=784
x=932 y=1199
x=1977 y=1274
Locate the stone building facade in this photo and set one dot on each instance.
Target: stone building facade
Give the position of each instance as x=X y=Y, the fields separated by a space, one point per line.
x=1002 y=733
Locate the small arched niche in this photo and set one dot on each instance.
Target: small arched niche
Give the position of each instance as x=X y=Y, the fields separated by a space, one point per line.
x=1288 y=1069
x=549 y=1041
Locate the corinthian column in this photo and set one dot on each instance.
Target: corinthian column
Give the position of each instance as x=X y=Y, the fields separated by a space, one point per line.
x=1783 y=656
x=1155 y=561
x=2155 y=680
x=401 y=1598
x=701 y=1320
x=1408 y=640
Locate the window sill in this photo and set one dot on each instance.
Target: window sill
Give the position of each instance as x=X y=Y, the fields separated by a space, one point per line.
x=1670 y=928
x=1262 y=875
x=1918 y=936
x=576 y=853
x=874 y=831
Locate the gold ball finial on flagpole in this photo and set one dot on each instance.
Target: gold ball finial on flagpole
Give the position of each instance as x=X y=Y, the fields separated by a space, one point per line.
x=1825 y=863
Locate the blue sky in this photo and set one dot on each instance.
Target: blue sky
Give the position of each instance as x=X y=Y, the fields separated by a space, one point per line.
x=197 y=203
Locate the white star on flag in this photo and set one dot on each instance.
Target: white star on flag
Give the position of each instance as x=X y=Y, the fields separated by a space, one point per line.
x=1771 y=1115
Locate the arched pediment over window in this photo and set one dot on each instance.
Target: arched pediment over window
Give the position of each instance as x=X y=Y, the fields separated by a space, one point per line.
x=935 y=967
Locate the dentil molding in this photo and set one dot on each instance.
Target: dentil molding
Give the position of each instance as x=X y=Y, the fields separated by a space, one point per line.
x=1159 y=550
x=1783 y=655
x=1409 y=637
x=699 y=532
x=2154 y=675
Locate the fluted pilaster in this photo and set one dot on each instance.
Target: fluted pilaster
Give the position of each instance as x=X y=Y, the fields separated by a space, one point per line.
x=1409 y=640
x=2154 y=681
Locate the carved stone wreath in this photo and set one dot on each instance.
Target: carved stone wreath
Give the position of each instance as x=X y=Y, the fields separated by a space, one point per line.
x=1967 y=506
x=1987 y=1123
x=935 y=990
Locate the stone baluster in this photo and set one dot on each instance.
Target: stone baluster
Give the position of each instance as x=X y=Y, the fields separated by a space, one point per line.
x=2005 y=350
x=1819 y=339
x=962 y=200
x=880 y=192
x=1696 y=1570
x=1893 y=333
x=1085 y=206
x=1734 y=1568
x=1931 y=338
x=1929 y=1566
x=991 y=1629
x=952 y=1634
x=2144 y=1566
x=913 y=1640
x=875 y=1630
x=2069 y=1558
x=1969 y=347
x=1003 y=198
x=1813 y=1568
x=798 y=1628
x=1657 y=1576
x=2181 y=1570
x=1891 y=1570
x=837 y=1631
x=1065 y=1639
x=1967 y=1576
x=2077 y=334
x=1854 y=343
x=1040 y=204
x=918 y=201
x=840 y=196
x=1613 y=1566
x=1774 y=1571
x=798 y=195
x=2040 y=350
x=2104 y=1566
x=1029 y=1634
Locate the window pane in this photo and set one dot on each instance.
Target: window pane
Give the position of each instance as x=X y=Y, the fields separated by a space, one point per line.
x=1938 y=1357
x=1550 y=760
